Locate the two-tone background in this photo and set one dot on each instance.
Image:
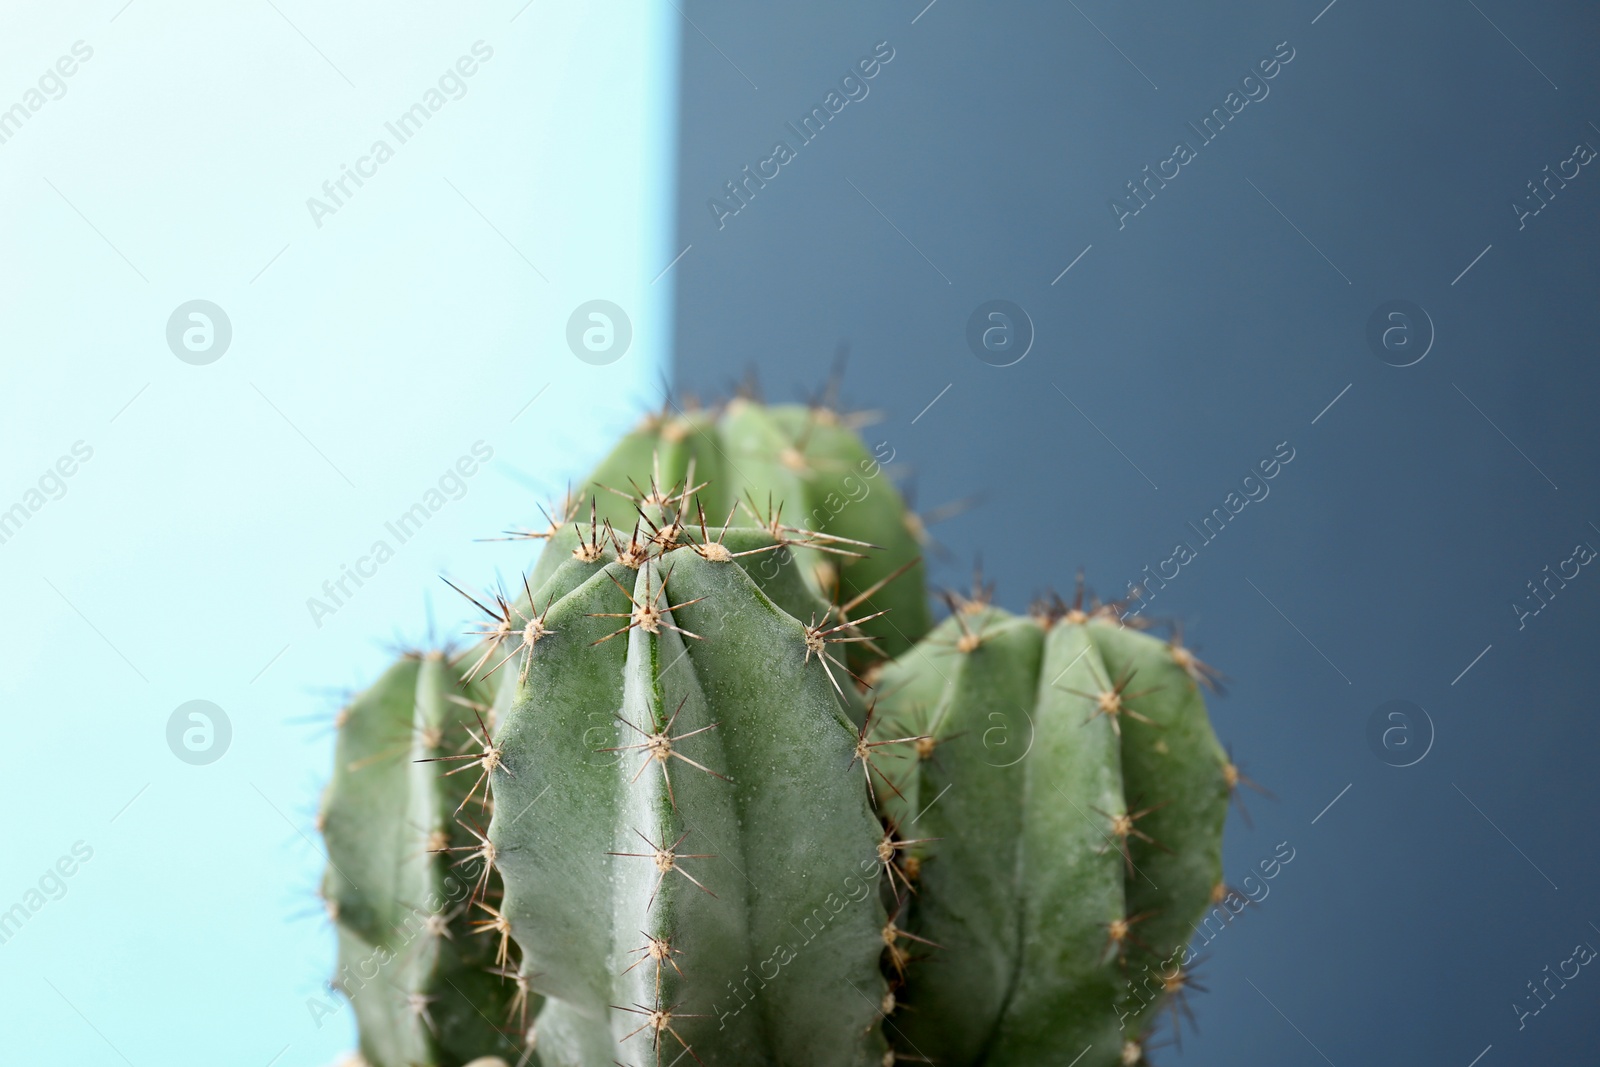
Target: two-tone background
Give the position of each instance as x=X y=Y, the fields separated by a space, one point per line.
x=1378 y=261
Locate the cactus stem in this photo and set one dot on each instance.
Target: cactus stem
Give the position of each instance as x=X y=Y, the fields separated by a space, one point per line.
x=648 y=616
x=666 y=860
x=658 y=749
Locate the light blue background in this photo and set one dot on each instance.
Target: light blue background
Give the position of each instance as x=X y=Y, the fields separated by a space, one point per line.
x=367 y=356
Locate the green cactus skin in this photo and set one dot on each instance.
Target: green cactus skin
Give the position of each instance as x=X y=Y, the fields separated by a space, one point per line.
x=681 y=706
x=1064 y=755
x=418 y=946
x=801 y=465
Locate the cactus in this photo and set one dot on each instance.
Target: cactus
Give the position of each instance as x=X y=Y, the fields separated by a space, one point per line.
x=1061 y=825
x=715 y=842
x=795 y=465
x=423 y=956
x=688 y=855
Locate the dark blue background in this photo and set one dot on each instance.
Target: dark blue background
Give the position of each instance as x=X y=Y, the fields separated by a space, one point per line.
x=1196 y=339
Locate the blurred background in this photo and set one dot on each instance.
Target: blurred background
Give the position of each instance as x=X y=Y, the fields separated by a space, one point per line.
x=1092 y=263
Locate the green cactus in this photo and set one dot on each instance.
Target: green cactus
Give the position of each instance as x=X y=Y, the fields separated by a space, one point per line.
x=801 y=465
x=715 y=843
x=1061 y=824
x=689 y=857
x=423 y=956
